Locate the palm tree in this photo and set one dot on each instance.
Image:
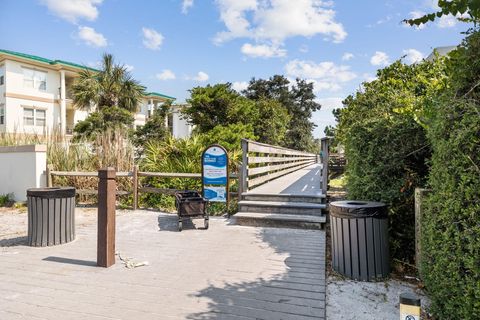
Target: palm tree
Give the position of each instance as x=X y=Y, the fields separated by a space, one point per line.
x=112 y=86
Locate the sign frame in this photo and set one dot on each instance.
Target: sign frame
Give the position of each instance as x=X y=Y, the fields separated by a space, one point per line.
x=227 y=185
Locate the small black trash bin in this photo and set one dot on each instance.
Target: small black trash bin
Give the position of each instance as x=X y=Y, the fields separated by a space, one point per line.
x=359 y=231
x=51 y=216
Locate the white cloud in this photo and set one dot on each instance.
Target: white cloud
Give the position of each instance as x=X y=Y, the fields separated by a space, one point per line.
x=186 y=5
x=272 y=21
x=412 y=56
x=324 y=75
x=239 y=85
x=91 y=37
x=448 y=21
x=262 y=50
x=328 y=104
x=152 y=39
x=379 y=59
x=368 y=77
x=73 y=10
x=129 y=68
x=166 y=74
x=201 y=76
x=347 y=56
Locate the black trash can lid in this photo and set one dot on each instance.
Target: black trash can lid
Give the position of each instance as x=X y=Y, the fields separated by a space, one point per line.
x=358 y=209
x=49 y=193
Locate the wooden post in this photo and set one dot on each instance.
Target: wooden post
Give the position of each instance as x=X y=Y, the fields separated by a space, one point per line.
x=419 y=197
x=135 y=187
x=325 y=158
x=49 y=176
x=244 y=170
x=106 y=217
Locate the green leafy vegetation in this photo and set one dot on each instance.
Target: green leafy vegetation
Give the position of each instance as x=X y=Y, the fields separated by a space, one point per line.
x=5 y=199
x=465 y=10
x=271 y=111
x=382 y=128
x=451 y=222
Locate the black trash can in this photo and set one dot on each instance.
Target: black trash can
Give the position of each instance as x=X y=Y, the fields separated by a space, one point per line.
x=51 y=216
x=359 y=231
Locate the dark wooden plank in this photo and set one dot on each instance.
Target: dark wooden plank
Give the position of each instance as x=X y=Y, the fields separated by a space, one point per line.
x=44 y=222
x=362 y=252
x=51 y=221
x=57 y=220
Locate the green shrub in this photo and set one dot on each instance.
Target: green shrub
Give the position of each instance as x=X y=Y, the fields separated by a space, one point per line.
x=5 y=199
x=382 y=129
x=383 y=166
x=183 y=156
x=451 y=222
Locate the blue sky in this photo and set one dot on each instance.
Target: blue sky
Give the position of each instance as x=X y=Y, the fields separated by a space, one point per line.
x=174 y=45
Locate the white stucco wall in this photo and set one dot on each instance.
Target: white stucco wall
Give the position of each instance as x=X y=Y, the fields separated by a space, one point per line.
x=14 y=106
x=181 y=128
x=22 y=167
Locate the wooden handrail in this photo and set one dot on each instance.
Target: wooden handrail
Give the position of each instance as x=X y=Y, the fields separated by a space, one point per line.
x=263 y=162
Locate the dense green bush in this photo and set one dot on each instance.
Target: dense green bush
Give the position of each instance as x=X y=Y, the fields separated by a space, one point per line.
x=383 y=166
x=382 y=129
x=177 y=155
x=451 y=222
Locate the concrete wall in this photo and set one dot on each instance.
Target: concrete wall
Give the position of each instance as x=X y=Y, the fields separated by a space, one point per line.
x=22 y=167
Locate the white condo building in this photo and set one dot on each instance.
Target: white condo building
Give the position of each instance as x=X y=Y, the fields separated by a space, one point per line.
x=35 y=97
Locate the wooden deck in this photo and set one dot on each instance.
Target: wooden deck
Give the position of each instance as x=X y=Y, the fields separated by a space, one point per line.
x=225 y=272
x=303 y=182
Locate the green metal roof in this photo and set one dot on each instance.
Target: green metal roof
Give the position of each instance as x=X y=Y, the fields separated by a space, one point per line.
x=71 y=64
x=159 y=95
x=45 y=60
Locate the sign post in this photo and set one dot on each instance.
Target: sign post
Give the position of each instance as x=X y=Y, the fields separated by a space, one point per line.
x=215 y=179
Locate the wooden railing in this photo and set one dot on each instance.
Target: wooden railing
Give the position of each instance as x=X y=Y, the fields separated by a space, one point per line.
x=263 y=162
x=135 y=174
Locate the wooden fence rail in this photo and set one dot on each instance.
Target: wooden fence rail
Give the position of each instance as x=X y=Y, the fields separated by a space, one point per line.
x=262 y=163
x=135 y=174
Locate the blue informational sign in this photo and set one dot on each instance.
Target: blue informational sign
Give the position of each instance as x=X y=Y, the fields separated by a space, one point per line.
x=215 y=169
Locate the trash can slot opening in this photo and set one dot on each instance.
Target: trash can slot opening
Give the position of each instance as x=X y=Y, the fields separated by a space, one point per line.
x=356 y=203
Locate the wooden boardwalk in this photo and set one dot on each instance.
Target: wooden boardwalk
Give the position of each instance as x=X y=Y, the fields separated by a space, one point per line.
x=305 y=181
x=226 y=272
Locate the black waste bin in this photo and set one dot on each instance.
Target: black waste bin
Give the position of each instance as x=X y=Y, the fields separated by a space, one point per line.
x=359 y=231
x=51 y=216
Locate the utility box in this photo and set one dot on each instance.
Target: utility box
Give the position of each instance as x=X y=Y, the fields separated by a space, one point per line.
x=359 y=231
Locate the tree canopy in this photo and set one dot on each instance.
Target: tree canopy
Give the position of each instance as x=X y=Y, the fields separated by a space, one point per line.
x=111 y=86
x=465 y=10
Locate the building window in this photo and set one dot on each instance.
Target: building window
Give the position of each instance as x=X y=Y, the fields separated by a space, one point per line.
x=34 y=117
x=2 y=113
x=34 y=79
x=2 y=80
x=40 y=118
x=28 y=117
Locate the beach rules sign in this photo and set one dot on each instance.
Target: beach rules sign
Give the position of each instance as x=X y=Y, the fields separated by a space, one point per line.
x=215 y=173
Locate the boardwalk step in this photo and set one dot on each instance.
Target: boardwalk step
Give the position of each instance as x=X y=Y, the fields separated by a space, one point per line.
x=254 y=196
x=280 y=207
x=258 y=219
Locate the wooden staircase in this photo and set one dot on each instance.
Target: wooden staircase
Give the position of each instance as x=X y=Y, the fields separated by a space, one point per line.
x=281 y=210
x=281 y=187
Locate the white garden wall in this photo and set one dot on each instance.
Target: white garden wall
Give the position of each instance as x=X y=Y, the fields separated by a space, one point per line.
x=22 y=167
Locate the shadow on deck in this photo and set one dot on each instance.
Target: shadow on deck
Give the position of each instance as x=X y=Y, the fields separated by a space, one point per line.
x=297 y=294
